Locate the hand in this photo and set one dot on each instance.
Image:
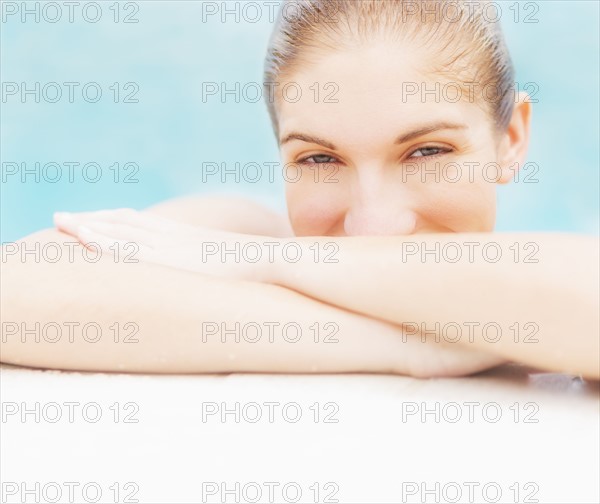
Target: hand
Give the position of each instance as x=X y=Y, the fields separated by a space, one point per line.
x=162 y=241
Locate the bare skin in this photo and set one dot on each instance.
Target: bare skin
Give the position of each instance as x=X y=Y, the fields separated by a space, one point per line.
x=556 y=292
x=380 y=146
x=170 y=306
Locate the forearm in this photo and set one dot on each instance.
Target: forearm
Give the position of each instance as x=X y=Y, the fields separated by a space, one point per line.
x=377 y=278
x=169 y=318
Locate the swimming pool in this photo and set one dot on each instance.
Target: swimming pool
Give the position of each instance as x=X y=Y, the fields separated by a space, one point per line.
x=155 y=126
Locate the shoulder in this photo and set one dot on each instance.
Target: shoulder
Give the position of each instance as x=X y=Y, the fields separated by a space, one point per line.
x=229 y=213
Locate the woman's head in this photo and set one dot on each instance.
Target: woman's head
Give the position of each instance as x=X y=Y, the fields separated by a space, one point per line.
x=399 y=116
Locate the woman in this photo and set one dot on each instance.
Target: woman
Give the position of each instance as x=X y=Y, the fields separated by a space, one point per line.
x=391 y=223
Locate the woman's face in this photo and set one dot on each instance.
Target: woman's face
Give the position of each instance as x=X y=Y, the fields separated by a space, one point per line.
x=376 y=157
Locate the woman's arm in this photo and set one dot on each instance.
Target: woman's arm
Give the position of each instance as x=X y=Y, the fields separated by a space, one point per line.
x=138 y=317
x=529 y=298
x=150 y=318
x=538 y=302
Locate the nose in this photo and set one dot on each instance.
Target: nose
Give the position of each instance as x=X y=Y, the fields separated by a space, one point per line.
x=376 y=211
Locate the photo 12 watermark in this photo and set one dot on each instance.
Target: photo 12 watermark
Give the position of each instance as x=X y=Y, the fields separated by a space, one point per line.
x=468 y=91
x=81 y=492
x=69 y=12
x=471 y=412
x=251 y=12
x=281 y=492
x=252 y=252
x=269 y=332
x=52 y=252
x=70 y=92
x=71 y=172
x=419 y=492
x=69 y=332
x=269 y=92
x=69 y=412
x=270 y=412
x=436 y=252
x=470 y=332
x=253 y=172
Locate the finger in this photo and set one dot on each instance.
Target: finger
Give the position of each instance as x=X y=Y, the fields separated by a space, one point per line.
x=122 y=232
x=125 y=250
x=70 y=221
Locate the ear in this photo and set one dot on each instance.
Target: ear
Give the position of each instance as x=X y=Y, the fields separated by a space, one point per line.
x=515 y=140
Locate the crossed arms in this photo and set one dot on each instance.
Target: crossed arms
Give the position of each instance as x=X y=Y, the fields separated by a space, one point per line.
x=384 y=316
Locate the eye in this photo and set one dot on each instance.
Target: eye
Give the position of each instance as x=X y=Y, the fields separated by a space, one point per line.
x=429 y=151
x=319 y=159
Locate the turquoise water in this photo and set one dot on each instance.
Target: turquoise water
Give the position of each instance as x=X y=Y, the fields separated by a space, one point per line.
x=161 y=141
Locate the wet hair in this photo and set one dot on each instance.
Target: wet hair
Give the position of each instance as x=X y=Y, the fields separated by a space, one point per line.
x=463 y=37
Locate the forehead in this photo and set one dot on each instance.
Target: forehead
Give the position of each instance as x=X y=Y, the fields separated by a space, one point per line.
x=371 y=91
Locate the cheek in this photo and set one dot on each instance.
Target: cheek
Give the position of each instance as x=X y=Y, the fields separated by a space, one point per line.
x=460 y=207
x=314 y=209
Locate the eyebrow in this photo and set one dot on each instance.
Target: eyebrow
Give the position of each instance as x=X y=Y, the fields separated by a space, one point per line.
x=423 y=130
x=430 y=128
x=307 y=138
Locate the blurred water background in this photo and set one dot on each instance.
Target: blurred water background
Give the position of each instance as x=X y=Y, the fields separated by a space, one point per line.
x=153 y=149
